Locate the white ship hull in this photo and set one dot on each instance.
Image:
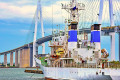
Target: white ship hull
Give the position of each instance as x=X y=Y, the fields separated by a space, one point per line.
x=79 y=73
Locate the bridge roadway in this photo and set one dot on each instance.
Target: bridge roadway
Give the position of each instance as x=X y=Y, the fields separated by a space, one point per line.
x=39 y=41
x=24 y=54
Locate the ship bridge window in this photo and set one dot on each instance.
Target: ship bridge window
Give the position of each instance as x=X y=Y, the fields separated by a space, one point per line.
x=73 y=26
x=62 y=34
x=79 y=32
x=56 y=39
x=95 y=27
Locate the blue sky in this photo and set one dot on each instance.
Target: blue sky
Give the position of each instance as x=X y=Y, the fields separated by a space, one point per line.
x=16 y=18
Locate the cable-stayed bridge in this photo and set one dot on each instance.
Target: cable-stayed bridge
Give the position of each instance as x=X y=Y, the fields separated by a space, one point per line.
x=24 y=55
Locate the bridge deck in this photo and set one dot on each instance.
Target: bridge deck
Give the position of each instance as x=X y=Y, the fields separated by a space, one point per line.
x=39 y=41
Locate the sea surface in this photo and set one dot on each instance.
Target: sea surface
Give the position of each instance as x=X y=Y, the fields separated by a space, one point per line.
x=18 y=74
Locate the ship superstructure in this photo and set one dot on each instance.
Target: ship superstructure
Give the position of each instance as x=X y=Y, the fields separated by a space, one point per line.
x=69 y=49
x=72 y=52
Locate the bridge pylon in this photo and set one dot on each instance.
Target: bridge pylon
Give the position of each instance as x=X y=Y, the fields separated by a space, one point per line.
x=111 y=24
x=39 y=10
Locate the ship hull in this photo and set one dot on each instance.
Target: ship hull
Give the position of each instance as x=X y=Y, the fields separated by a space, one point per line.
x=58 y=73
x=53 y=73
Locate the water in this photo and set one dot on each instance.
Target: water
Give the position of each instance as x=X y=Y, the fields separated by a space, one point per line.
x=18 y=74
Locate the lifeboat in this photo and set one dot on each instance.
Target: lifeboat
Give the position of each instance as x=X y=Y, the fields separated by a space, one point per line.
x=105 y=53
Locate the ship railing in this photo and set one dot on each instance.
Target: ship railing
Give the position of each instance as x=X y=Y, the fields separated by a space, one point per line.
x=114 y=65
x=53 y=43
x=83 y=65
x=90 y=65
x=94 y=65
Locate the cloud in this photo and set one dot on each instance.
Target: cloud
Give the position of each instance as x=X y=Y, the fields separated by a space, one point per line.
x=8 y=10
x=89 y=15
x=26 y=9
x=54 y=11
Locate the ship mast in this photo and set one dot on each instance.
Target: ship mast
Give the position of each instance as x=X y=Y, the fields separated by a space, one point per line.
x=73 y=8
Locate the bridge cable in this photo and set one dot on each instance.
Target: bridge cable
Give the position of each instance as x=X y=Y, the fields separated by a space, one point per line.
x=118 y=8
x=30 y=30
x=88 y=14
x=116 y=18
